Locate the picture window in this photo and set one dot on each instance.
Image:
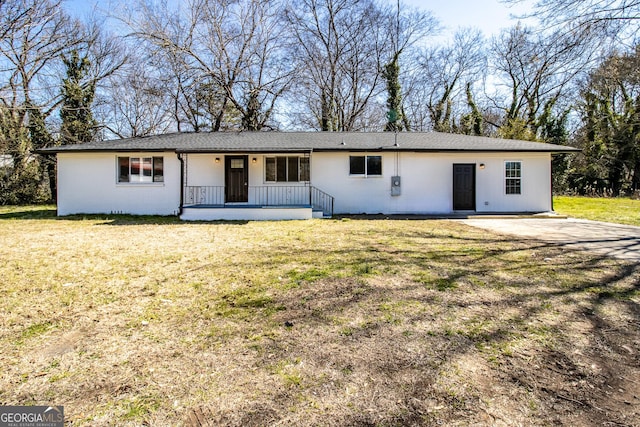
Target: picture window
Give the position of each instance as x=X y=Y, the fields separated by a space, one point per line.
x=140 y=169
x=286 y=169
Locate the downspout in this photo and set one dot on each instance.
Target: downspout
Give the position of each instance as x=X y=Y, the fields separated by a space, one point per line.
x=181 y=159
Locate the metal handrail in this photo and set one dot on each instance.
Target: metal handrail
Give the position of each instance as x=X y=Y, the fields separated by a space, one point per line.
x=321 y=200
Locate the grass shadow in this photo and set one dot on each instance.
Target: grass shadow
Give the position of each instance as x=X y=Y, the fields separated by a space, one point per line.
x=40 y=212
x=28 y=212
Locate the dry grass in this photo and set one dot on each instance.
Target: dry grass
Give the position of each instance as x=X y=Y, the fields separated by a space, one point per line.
x=130 y=321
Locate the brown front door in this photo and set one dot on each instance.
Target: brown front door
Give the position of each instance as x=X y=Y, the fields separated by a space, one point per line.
x=236 y=179
x=464 y=187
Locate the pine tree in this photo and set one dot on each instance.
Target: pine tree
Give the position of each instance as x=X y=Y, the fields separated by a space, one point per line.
x=78 y=124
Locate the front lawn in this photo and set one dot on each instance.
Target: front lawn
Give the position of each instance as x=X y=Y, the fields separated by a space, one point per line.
x=150 y=321
x=619 y=210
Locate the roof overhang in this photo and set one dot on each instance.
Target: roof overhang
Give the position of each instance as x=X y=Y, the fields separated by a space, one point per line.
x=307 y=142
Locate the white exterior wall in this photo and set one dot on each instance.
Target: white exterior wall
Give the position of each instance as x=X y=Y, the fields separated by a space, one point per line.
x=88 y=183
x=427 y=182
x=536 y=184
x=202 y=170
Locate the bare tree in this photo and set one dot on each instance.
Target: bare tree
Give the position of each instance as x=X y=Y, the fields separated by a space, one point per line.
x=339 y=51
x=234 y=49
x=136 y=104
x=614 y=18
x=439 y=81
x=534 y=71
x=105 y=51
x=12 y=16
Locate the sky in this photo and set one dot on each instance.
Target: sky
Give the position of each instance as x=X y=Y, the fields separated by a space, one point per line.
x=487 y=15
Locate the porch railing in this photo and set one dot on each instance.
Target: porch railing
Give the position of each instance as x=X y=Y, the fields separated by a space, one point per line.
x=268 y=195
x=321 y=201
x=203 y=195
x=279 y=195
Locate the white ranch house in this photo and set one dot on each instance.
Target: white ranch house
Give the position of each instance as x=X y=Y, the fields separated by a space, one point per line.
x=299 y=175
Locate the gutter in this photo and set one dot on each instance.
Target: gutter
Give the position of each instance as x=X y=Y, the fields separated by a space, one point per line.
x=549 y=148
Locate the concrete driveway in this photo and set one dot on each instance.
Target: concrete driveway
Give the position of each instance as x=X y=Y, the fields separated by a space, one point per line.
x=614 y=240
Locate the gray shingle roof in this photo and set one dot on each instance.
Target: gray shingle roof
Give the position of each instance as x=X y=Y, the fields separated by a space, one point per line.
x=222 y=142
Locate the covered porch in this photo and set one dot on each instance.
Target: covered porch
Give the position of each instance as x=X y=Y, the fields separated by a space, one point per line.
x=250 y=186
x=266 y=202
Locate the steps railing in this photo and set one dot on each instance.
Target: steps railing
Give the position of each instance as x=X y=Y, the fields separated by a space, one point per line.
x=321 y=201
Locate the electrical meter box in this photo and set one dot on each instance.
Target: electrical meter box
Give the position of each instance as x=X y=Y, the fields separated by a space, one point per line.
x=395 y=185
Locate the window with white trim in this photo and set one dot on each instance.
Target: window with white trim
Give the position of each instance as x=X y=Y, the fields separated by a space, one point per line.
x=513 y=177
x=140 y=169
x=286 y=169
x=365 y=165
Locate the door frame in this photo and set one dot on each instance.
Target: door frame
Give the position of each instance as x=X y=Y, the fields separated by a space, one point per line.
x=472 y=190
x=243 y=196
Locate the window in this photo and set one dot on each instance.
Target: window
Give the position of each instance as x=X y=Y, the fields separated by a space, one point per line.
x=356 y=165
x=286 y=169
x=140 y=169
x=513 y=177
x=237 y=164
x=365 y=165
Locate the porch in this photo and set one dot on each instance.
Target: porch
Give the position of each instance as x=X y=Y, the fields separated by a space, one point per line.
x=269 y=202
